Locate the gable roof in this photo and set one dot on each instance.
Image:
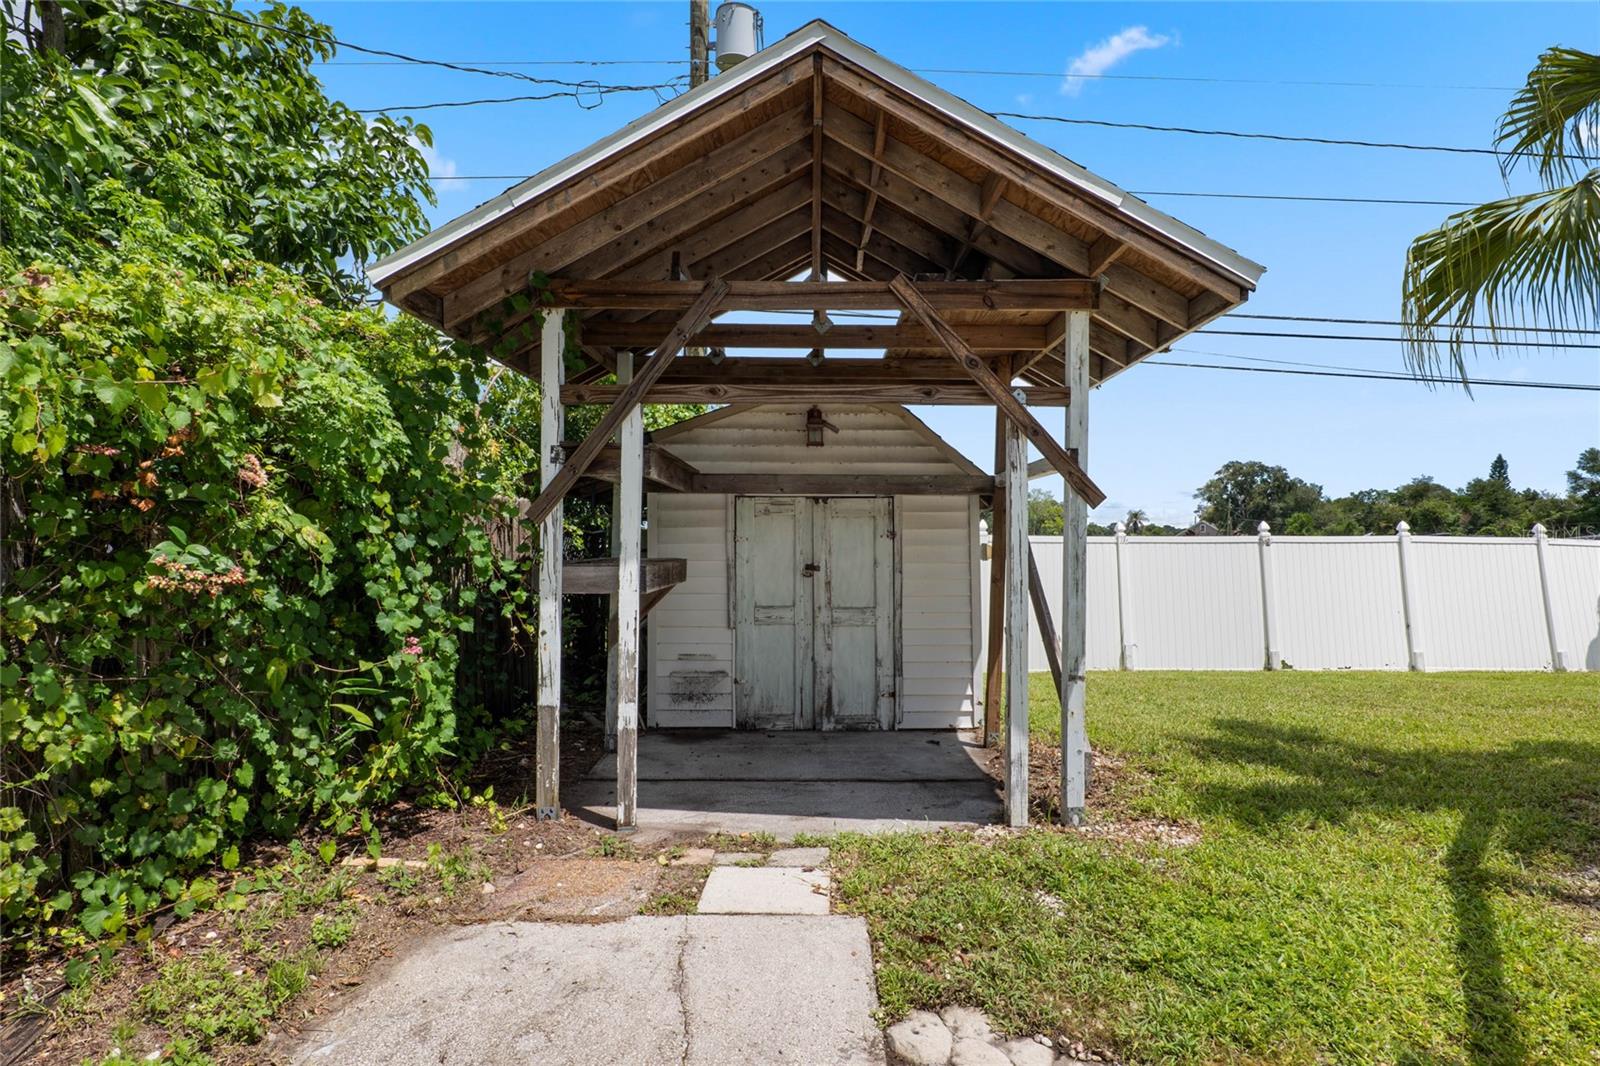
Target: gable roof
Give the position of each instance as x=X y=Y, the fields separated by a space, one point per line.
x=911 y=180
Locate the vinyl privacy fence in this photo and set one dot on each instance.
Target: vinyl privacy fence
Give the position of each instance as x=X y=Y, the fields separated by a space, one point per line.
x=1332 y=603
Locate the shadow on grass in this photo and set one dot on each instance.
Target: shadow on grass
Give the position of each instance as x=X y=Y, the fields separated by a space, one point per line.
x=1541 y=799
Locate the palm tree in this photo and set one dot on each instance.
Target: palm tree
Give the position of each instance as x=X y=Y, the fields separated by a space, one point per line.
x=1532 y=259
x=1136 y=521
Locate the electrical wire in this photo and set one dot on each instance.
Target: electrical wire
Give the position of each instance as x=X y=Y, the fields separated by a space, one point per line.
x=599 y=91
x=1567 y=386
x=1397 y=322
x=1246 y=135
x=1358 y=337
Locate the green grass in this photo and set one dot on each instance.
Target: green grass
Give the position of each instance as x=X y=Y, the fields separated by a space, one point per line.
x=210 y=999
x=1391 y=868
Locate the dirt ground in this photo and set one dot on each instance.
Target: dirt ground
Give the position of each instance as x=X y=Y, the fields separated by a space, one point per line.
x=481 y=862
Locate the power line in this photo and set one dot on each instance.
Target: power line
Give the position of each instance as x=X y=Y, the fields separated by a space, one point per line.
x=1396 y=322
x=967 y=72
x=1358 y=337
x=1568 y=386
x=399 y=57
x=578 y=95
x=1308 y=199
x=1244 y=135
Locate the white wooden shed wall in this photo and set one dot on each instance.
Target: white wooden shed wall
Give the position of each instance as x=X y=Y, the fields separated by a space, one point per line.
x=690 y=636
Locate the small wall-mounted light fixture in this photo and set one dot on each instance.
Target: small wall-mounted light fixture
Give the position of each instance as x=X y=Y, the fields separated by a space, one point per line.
x=815 y=424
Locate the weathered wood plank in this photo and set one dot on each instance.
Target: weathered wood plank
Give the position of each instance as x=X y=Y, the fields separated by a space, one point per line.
x=936 y=393
x=1016 y=570
x=994 y=646
x=1010 y=294
x=1047 y=624
x=1000 y=391
x=623 y=364
x=663 y=471
x=785 y=335
x=598 y=577
x=630 y=582
x=547 y=737
x=698 y=314
x=1074 y=599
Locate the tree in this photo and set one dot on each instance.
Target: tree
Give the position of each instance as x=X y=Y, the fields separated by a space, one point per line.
x=1583 y=488
x=1244 y=494
x=1500 y=470
x=1136 y=521
x=1532 y=258
x=1045 y=515
x=214 y=116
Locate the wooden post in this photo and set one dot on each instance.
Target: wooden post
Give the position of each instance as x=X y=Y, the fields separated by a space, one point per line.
x=1124 y=624
x=1558 y=658
x=547 y=741
x=624 y=375
x=699 y=42
x=627 y=600
x=1041 y=615
x=1016 y=638
x=1074 y=599
x=994 y=647
x=1269 y=599
x=1408 y=599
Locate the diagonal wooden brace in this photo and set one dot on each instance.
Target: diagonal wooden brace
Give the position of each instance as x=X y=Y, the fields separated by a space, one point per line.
x=692 y=322
x=998 y=391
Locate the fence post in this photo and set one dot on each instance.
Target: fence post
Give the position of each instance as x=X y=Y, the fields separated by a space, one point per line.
x=1124 y=626
x=1408 y=598
x=1558 y=658
x=1269 y=610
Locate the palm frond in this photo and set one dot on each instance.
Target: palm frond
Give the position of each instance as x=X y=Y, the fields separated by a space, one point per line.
x=1530 y=260
x=1554 y=120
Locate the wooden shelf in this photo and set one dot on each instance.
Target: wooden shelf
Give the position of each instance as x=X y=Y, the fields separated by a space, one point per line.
x=598 y=577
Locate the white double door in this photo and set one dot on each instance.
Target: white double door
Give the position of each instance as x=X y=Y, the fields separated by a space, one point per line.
x=814 y=612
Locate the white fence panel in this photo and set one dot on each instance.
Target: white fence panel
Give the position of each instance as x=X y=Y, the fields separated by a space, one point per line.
x=1195 y=603
x=1339 y=603
x=1478 y=604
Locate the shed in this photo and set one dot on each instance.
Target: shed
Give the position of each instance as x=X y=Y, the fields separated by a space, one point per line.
x=857 y=609
x=814 y=177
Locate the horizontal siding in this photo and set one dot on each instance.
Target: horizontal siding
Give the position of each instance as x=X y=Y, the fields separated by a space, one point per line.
x=772 y=439
x=938 y=650
x=690 y=641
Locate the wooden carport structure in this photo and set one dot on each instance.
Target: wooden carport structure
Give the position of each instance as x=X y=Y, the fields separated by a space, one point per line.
x=816 y=176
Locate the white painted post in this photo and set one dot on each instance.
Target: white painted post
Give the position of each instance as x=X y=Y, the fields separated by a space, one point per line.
x=1408 y=599
x=1074 y=565
x=1124 y=623
x=1269 y=606
x=1016 y=621
x=547 y=740
x=1558 y=658
x=624 y=375
x=631 y=478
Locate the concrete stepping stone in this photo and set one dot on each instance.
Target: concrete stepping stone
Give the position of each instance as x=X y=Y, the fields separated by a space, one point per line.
x=765 y=890
x=798 y=857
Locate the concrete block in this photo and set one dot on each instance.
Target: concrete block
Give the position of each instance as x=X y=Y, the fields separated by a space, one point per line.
x=798 y=857
x=765 y=890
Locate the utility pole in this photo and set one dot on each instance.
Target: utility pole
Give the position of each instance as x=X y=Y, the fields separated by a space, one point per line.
x=699 y=42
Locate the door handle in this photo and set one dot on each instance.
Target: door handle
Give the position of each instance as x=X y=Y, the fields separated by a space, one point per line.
x=809 y=569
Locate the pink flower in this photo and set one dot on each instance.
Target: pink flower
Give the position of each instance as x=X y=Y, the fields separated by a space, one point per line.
x=413 y=646
x=251 y=473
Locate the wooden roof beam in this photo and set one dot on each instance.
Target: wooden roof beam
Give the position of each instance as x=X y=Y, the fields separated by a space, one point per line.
x=818 y=268
x=1017 y=294
x=803 y=336
x=910 y=391
x=880 y=133
x=993 y=186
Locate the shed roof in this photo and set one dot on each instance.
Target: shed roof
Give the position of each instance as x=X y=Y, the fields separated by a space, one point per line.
x=820 y=147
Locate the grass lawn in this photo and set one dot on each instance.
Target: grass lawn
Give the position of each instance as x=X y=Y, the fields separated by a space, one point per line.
x=1390 y=868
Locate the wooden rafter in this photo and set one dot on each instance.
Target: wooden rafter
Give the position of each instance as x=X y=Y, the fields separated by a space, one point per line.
x=989 y=195
x=879 y=134
x=698 y=314
x=904 y=391
x=818 y=268
x=803 y=336
x=998 y=391
x=1017 y=294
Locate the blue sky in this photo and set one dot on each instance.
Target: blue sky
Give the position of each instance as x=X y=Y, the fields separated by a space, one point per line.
x=1156 y=432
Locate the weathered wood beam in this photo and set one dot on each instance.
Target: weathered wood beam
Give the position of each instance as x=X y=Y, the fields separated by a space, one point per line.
x=1103 y=252
x=663 y=471
x=1099 y=215
x=1016 y=606
x=711 y=177
x=698 y=314
x=1074 y=591
x=1015 y=294
x=895 y=256
x=632 y=577
x=879 y=134
x=783 y=335
x=995 y=645
x=818 y=268
x=845 y=484
x=934 y=394
x=547 y=698
x=619 y=174
x=1041 y=614
x=999 y=391
x=598 y=577
x=989 y=194
x=914 y=237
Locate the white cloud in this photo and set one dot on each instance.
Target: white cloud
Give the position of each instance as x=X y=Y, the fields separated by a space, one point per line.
x=439 y=166
x=1024 y=99
x=1100 y=58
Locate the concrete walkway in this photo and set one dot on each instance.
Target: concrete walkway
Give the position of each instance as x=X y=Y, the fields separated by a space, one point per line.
x=700 y=990
x=788 y=783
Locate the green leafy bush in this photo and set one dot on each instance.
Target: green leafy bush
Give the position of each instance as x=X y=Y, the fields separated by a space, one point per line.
x=243 y=531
